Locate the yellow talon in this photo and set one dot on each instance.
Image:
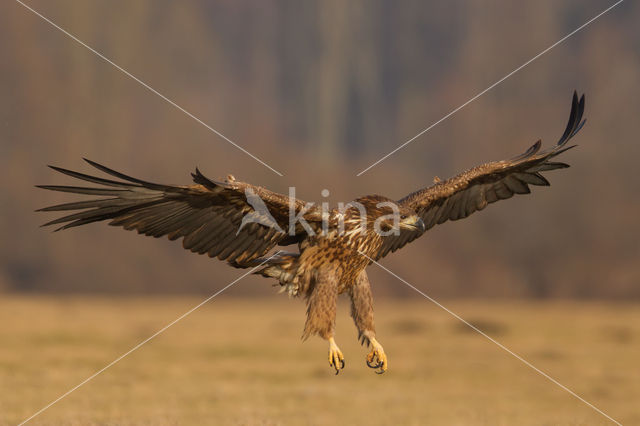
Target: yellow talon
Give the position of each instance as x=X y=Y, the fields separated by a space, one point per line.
x=336 y=359
x=377 y=358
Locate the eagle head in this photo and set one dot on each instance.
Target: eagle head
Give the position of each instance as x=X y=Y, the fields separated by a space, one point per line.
x=387 y=215
x=411 y=221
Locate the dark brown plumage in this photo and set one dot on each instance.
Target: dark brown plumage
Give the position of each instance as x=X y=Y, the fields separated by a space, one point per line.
x=335 y=247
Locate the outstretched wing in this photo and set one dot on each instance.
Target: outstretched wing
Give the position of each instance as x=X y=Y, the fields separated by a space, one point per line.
x=473 y=190
x=207 y=215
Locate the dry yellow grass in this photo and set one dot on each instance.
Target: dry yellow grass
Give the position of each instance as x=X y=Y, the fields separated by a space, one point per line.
x=241 y=362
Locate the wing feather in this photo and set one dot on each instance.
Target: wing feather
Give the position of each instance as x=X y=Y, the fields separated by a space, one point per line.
x=206 y=214
x=473 y=190
x=515 y=185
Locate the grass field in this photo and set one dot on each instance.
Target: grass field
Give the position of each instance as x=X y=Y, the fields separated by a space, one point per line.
x=242 y=362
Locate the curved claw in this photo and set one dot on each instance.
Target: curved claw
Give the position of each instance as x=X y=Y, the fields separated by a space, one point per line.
x=341 y=367
x=377 y=358
x=374 y=366
x=336 y=359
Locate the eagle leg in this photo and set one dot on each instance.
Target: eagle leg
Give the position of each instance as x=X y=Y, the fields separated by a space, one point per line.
x=321 y=313
x=336 y=359
x=362 y=313
x=362 y=308
x=377 y=358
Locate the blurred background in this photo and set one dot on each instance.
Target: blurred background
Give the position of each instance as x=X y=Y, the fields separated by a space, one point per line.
x=319 y=91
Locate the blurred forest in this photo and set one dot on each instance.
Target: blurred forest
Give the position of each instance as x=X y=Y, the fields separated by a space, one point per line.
x=319 y=91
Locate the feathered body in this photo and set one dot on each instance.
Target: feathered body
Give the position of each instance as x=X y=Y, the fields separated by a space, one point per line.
x=334 y=248
x=330 y=263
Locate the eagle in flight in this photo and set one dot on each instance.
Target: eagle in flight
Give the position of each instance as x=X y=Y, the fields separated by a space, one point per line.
x=334 y=246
